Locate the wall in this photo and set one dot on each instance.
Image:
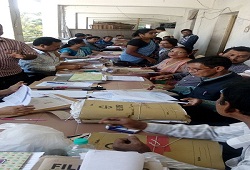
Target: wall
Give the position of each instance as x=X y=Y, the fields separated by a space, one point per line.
x=102 y=33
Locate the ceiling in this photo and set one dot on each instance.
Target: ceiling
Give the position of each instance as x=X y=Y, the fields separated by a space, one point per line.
x=132 y=11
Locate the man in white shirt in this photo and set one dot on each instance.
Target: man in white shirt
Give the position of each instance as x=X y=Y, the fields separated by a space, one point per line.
x=161 y=32
x=47 y=61
x=233 y=102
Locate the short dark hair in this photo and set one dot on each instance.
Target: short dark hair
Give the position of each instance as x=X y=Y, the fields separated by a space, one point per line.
x=213 y=61
x=92 y=37
x=236 y=94
x=141 y=31
x=188 y=50
x=72 y=42
x=239 y=48
x=80 y=35
x=160 y=28
x=107 y=36
x=187 y=30
x=172 y=41
x=158 y=38
x=45 y=41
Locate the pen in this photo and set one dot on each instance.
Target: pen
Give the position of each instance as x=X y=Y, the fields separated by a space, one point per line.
x=21 y=119
x=53 y=88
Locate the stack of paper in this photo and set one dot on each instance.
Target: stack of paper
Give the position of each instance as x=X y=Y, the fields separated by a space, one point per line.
x=88 y=76
x=132 y=96
x=20 y=97
x=94 y=110
x=120 y=160
x=64 y=84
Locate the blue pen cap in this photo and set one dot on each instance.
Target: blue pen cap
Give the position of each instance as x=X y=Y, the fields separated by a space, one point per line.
x=81 y=141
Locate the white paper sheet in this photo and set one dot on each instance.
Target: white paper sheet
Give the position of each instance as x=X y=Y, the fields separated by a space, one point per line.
x=65 y=84
x=20 y=97
x=80 y=60
x=125 y=78
x=132 y=96
x=112 y=160
x=68 y=93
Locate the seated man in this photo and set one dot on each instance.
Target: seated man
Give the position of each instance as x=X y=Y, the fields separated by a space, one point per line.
x=215 y=76
x=47 y=62
x=232 y=103
x=14 y=110
x=238 y=55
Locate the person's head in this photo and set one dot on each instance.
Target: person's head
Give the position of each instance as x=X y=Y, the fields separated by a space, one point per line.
x=168 y=43
x=107 y=38
x=47 y=44
x=74 y=43
x=237 y=54
x=160 y=29
x=186 y=32
x=92 y=39
x=157 y=40
x=1 y=29
x=209 y=67
x=80 y=35
x=88 y=35
x=145 y=33
x=119 y=36
x=234 y=100
x=179 y=52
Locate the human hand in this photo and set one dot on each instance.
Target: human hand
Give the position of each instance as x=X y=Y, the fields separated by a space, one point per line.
x=162 y=77
x=14 y=87
x=15 y=54
x=151 y=60
x=73 y=67
x=132 y=143
x=161 y=86
x=16 y=110
x=192 y=101
x=126 y=122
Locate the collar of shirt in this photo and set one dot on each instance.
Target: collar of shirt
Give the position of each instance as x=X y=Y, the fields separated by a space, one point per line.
x=2 y=39
x=240 y=141
x=210 y=79
x=38 y=51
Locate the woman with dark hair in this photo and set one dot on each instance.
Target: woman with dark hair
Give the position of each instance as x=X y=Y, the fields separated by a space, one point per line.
x=179 y=56
x=75 y=48
x=166 y=45
x=141 y=49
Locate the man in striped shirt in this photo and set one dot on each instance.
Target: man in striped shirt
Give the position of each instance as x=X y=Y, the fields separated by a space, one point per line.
x=10 y=53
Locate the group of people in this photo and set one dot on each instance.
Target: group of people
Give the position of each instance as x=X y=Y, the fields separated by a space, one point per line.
x=215 y=93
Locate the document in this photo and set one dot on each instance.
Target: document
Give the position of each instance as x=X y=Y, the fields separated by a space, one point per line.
x=197 y=152
x=21 y=97
x=98 y=109
x=132 y=96
x=112 y=160
x=81 y=60
x=69 y=93
x=125 y=78
x=88 y=76
x=65 y=84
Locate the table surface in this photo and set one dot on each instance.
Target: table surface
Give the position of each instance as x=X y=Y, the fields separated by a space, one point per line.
x=71 y=127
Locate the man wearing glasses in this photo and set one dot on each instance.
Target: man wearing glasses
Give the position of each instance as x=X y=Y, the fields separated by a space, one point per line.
x=214 y=75
x=233 y=103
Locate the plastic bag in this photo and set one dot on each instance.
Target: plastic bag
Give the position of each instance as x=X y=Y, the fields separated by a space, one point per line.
x=31 y=138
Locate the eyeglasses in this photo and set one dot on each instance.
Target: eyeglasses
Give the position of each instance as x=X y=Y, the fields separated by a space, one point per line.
x=178 y=52
x=196 y=69
x=239 y=56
